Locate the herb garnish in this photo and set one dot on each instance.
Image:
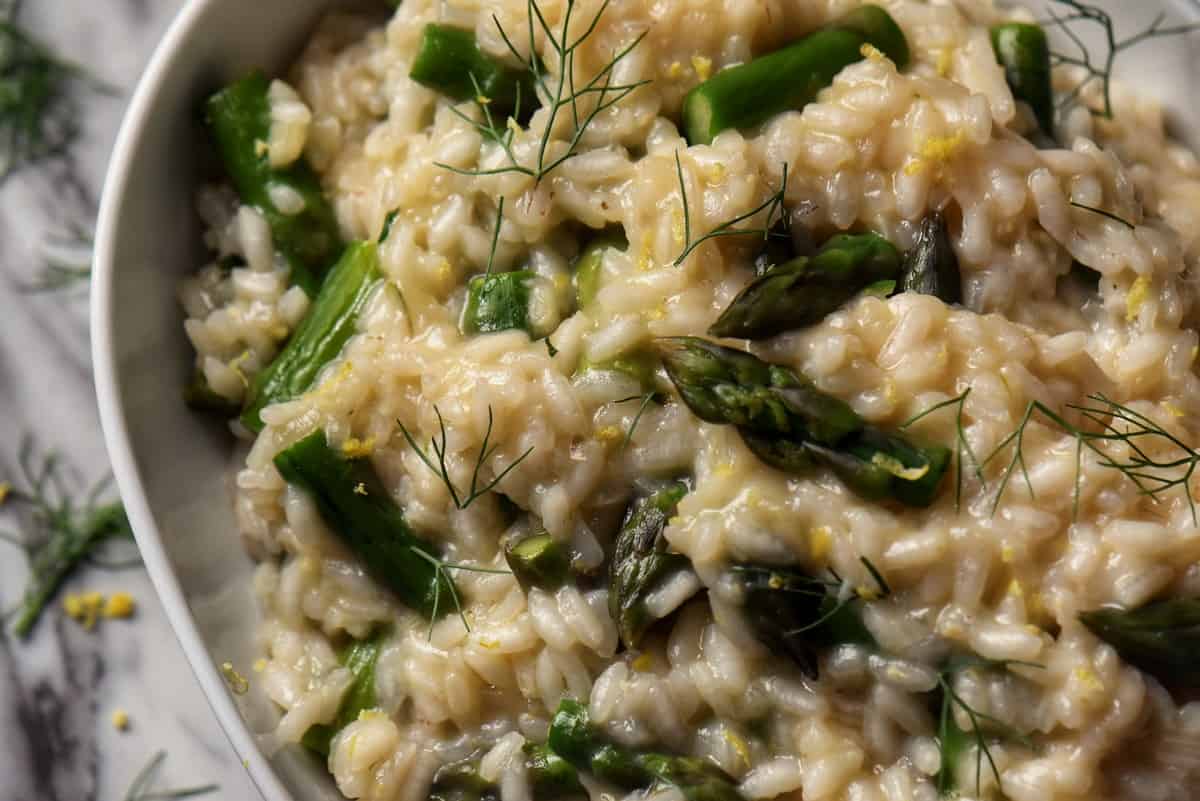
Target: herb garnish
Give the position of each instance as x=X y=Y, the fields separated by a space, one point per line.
x=646 y=400
x=961 y=445
x=1116 y=423
x=1104 y=213
x=773 y=205
x=441 y=470
x=440 y=570
x=1103 y=69
x=140 y=790
x=562 y=96
x=66 y=536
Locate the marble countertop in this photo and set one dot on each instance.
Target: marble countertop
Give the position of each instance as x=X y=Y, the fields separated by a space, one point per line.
x=59 y=688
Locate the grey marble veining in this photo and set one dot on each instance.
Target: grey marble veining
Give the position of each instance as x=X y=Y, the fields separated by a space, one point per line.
x=59 y=688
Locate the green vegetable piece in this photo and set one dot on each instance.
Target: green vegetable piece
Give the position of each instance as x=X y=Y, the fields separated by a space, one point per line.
x=199 y=396
x=803 y=291
x=573 y=738
x=790 y=424
x=750 y=94
x=640 y=365
x=551 y=778
x=641 y=562
x=320 y=337
x=931 y=267
x=539 y=561
x=360 y=658
x=1024 y=52
x=449 y=61
x=239 y=121
x=588 y=266
x=497 y=302
x=460 y=781
x=724 y=385
x=1161 y=638
x=356 y=506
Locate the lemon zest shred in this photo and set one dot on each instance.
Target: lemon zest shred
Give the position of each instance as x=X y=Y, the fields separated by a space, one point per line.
x=360 y=488
x=1007 y=553
x=609 y=434
x=259 y=665
x=739 y=746
x=675 y=70
x=1138 y=293
x=897 y=468
x=820 y=540
x=120 y=719
x=355 y=448
x=1172 y=409
x=237 y=683
x=945 y=61
x=703 y=67
x=119 y=605
x=643 y=663
x=871 y=52
x=371 y=714
x=1015 y=589
x=1088 y=678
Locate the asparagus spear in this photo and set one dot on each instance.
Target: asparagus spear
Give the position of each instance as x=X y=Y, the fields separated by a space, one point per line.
x=550 y=778
x=449 y=61
x=803 y=291
x=931 y=267
x=752 y=93
x=539 y=561
x=792 y=425
x=1023 y=51
x=498 y=302
x=239 y=121
x=355 y=505
x=359 y=657
x=1161 y=638
x=796 y=614
x=575 y=739
x=318 y=340
x=587 y=266
x=641 y=562
x=640 y=365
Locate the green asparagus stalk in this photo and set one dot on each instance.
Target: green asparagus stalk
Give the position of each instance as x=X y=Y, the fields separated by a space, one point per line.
x=239 y=121
x=752 y=93
x=359 y=657
x=797 y=615
x=801 y=292
x=550 y=778
x=587 y=276
x=498 y=302
x=1024 y=52
x=790 y=424
x=784 y=242
x=640 y=365
x=931 y=267
x=356 y=506
x=575 y=739
x=539 y=561
x=449 y=61
x=641 y=562
x=199 y=396
x=1161 y=638
x=320 y=337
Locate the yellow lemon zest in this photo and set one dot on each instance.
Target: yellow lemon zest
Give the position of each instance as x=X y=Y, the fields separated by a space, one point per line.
x=1007 y=553
x=236 y=366
x=609 y=434
x=259 y=665
x=897 y=468
x=1172 y=409
x=355 y=448
x=1088 y=678
x=675 y=70
x=119 y=605
x=775 y=582
x=371 y=714
x=677 y=228
x=1015 y=589
x=820 y=539
x=739 y=746
x=1136 y=297
x=488 y=643
x=360 y=488
x=84 y=608
x=867 y=593
x=329 y=386
x=645 y=255
x=703 y=67
x=238 y=684
x=483 y=100
x=724 y=469
x=870 y=51
x=120 y=719
x=643 y=663
x=1195 y=352
x=945 y=61
x=261 y=148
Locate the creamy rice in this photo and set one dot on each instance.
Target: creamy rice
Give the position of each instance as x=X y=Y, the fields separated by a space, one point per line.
x=877 y=150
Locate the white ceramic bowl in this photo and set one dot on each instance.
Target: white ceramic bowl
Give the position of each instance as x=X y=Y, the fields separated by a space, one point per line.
x=172 y=466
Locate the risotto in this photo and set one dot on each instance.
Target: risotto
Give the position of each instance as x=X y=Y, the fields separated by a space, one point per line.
x=712 y=400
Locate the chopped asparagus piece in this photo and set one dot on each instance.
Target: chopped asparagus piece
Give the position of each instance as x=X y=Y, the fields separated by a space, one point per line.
x=1023 y=51
x=498 y=302
x=449 y=61
x=1161 y=638
x=931 y=267
x=320 y=337
x=356 y=506
x=641 y=562
x=588 y=266
x=359 y=657
x=539 y=561
x=239 y=120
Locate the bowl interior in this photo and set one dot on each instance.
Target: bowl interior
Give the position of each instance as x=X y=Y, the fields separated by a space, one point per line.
x=174 y=466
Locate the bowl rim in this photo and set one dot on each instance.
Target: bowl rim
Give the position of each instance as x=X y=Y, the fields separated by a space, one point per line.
x=112 y=420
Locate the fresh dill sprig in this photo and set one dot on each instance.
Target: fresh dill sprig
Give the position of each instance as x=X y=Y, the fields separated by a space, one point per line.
x=961 y=444
x=953 y=740
x=39 y=117
x=1102 y=69
x=772 y=205
x=1116 y=424
x=564 y=99
x=140 y=790
x=66 y=536
x=442 y=471
x=1104 y=213
x=824 y=588
x=646 y=400
x=441 y=570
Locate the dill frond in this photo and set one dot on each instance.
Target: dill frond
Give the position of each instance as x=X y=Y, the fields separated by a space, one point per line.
x=646 y=400
x=773 y=205
x=65 y=536
x=1101 y=69
x=140 y=788
x=1104 y=213
x=437 y=463
x=562 y=96
x=961 y=445
x=441 y=570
